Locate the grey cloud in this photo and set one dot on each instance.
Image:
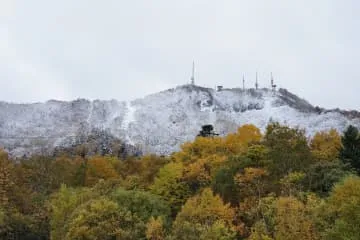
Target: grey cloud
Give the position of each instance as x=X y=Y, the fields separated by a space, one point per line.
x=126 y=49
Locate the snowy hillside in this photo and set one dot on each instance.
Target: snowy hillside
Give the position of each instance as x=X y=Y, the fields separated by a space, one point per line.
x=160 y=122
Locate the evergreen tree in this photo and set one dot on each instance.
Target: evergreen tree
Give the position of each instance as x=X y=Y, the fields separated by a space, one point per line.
x=224 y=185
x=350 y=150
x=207 y=131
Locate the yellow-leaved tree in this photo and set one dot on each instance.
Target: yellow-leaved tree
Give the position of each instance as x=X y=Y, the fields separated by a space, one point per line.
x=236 y=143
x=325 y=145
x=155 y=229
x=99 y=167
x=293 y=219
x=201 y=147
x=202 y=214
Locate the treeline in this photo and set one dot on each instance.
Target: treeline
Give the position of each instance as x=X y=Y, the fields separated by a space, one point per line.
x=247 y=185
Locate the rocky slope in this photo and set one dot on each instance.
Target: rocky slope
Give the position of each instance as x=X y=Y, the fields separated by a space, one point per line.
x=160 y=122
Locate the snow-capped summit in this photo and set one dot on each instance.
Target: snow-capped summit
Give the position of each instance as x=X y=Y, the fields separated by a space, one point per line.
x=160 y=122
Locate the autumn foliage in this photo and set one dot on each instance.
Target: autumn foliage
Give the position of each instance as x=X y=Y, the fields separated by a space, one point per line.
x=277 y=185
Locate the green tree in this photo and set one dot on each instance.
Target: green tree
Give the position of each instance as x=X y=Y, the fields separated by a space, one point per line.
x=144 y=204
x=104 y=219
x=223 y=184
x=5 y=179
x=342 y=210
x=323 y=175
x=62 y=205
x=288 y=150
x=2 y=216
x=350 y=151
x=170 y=185
x=261 y=218
x=252 y=183
x=258 y=154
x=207 y=131
x=291 y=183
x=218 y=230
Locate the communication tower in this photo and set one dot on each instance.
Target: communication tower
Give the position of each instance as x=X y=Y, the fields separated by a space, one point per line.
x=256 y=82
x=193 y=74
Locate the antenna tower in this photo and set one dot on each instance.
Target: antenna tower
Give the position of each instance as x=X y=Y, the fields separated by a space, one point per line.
x=273 y=86
x=243 y=82
x=193 y=74
x=256 y=82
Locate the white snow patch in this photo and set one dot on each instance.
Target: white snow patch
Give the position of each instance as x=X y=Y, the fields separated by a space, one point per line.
x=128 y=119
x=129 y=115
x=88 y=120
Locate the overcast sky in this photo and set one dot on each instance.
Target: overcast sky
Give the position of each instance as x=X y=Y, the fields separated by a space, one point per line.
x=68 y=49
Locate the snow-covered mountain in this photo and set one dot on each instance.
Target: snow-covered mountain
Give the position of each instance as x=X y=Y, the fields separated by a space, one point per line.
x=160 y=122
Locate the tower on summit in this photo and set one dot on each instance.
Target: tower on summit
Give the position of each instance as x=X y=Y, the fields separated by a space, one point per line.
x=243 y=82
x=256 y=82
x=193 y=74
x=273 y=86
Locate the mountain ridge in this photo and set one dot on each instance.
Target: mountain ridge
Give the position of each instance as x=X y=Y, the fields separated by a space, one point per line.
x=160 y=122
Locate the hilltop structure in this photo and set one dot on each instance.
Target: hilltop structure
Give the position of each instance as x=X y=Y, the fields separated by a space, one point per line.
x=273 y=86
x=192 y=79
x=256 y=82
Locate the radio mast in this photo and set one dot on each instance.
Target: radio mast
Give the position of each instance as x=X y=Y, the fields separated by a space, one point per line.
x=256 y=82
x=193 y=74
x=243 y=82
x=273 y=86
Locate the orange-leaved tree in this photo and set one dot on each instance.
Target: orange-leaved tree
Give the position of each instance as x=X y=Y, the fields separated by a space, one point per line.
x=238 y=142
x=99 y=167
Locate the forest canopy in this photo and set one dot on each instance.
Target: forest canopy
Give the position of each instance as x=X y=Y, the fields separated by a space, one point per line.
x=277 y=185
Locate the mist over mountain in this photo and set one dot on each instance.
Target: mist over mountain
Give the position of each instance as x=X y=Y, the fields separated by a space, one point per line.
x=161 y=122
